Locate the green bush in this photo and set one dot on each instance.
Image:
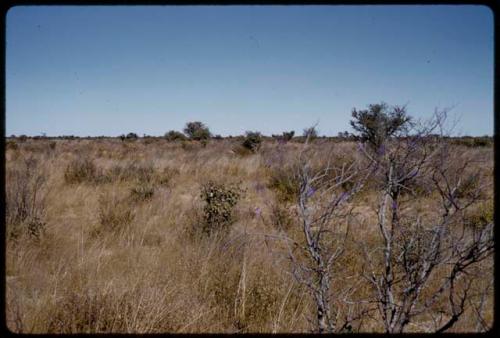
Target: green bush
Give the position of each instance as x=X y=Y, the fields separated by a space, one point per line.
x=174 y=135
x=252 y=141
x=379 y=123
x=287 y=136
x=197 y=131
x=220 y=200
x=132 y=136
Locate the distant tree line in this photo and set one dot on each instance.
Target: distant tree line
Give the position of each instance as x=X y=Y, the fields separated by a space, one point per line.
x=198 y=131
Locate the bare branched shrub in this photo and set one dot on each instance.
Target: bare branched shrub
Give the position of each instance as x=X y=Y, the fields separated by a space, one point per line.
x=323 y=217
x=25 y=199
x=425 y=261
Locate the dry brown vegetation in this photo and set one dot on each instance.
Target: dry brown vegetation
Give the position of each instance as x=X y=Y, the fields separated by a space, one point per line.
x=107 y=236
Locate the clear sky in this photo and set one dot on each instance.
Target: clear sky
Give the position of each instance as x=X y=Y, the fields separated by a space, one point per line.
x=113 y=70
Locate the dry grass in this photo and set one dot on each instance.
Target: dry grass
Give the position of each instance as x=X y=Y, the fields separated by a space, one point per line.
x=120 y=251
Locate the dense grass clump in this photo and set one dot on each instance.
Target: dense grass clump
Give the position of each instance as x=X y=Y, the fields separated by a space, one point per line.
x=80 y=170
x=25 y=199
x=114 y=213
x=284 y=183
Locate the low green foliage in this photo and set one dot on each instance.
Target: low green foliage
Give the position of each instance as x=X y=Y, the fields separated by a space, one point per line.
x=252 y=141
x=220 y=200
x=197 y=131
x=174 y=135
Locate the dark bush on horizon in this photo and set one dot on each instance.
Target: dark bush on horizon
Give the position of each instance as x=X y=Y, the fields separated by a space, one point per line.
x=310 y=133
x=174 y=135
x=379 y=122
x=252 y=141
x=197 y=131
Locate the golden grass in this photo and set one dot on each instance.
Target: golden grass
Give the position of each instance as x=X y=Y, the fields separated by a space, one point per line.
x=112 y=260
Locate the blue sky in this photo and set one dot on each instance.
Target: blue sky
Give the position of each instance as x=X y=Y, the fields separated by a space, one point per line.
x=86 y=70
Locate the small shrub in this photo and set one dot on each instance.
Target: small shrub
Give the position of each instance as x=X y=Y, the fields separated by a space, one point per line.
x=174 y=135
x=310 y=133
x=80 y=170
x=197 y=131
x=241 y=151
x=252 y=141
x=287 y=136
x=379 y=123
x=220 y=200
x=132 y=136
